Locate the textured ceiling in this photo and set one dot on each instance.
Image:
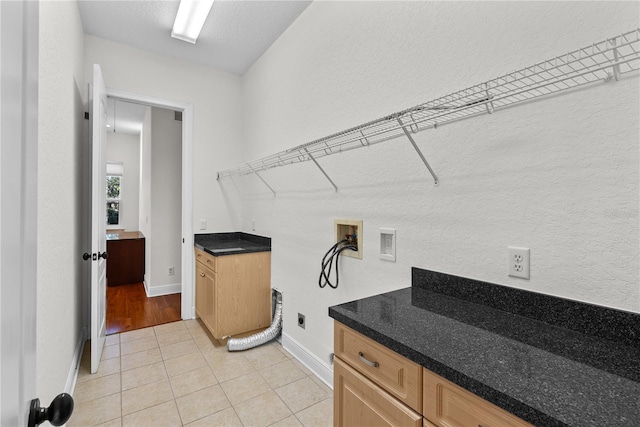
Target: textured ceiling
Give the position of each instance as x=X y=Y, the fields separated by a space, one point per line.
x=235 y=35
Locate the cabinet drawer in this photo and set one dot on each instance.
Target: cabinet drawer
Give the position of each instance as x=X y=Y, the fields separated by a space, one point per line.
x=394 y=373
x=449 y=405
x=206 y=259
x=359 y=402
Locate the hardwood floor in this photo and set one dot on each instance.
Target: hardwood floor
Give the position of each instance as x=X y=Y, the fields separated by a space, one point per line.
x=128 y=308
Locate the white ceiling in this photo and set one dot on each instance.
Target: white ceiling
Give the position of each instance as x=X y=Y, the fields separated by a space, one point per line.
x=235 y=35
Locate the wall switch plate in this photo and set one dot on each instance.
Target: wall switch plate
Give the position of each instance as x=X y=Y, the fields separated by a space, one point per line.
x=388 y=244
x=519 y=262
x=203 y=224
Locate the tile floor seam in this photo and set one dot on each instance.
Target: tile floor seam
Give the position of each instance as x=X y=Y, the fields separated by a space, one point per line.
x=173 y=393
x=121 y=407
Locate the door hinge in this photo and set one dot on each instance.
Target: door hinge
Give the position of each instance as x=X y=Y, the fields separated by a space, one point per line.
x=86 y=115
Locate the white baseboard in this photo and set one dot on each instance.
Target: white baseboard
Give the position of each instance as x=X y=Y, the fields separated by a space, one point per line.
x=156 y=291
x=70 y=386
x=308 y=359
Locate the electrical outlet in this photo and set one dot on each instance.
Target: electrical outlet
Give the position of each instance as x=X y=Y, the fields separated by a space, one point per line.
x=203 y=223
x=519 y=262
x=172 y=271
x=301 y=321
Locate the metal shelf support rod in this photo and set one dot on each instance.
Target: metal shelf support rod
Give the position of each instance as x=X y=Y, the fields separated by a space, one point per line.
x=321 y=170
x=616 y=66
x=263 y=181
x=406 y=132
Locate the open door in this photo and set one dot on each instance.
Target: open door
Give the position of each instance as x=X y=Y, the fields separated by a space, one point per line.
x=18 y=208
x=98 y=216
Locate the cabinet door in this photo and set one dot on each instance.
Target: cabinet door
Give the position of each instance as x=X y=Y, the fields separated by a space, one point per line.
x=210 y=311
x=359 y=402
x=396 y=374
x=449 y=405
x=200 y=291
x=243 y=293
x=205 y=295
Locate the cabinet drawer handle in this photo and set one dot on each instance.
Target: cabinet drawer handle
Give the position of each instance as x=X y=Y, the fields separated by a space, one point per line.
x=368 y=362
x=201 y=274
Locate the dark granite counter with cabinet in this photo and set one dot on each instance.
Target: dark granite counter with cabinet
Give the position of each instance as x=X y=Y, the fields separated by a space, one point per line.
x=550 y=361
x=218 y=244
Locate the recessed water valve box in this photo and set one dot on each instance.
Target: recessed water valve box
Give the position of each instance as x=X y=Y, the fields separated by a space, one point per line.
x=351 y=231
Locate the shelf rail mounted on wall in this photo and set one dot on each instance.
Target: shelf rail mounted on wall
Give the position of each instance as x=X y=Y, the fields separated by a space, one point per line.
x=601 y=61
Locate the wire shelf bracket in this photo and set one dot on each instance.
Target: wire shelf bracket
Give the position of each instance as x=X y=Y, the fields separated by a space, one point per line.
x=599 y=62
x=433 y=174
x=321 y=170
x=262 y=179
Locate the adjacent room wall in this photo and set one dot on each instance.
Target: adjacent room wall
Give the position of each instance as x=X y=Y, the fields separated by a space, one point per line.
x=216 y=99
x=61 y=140
x=165 y=241
x=559 y=176
x=125 y=148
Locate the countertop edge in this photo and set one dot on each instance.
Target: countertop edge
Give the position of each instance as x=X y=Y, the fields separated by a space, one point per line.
x=243 y=251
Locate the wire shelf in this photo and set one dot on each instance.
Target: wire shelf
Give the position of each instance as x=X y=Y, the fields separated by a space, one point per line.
x=598 y=62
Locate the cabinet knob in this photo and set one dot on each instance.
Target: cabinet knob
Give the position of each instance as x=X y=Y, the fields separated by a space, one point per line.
x=104 y=255
x=201 y=274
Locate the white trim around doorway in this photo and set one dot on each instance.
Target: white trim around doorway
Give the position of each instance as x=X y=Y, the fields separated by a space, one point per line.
x=187 y=308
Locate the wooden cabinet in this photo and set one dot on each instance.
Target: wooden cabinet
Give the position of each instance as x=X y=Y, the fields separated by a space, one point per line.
x=233 y=292
x=398 y=375
x=205 y=286
x=125 y=264
x=375 y=386
x=360 y=402
x=449 y=405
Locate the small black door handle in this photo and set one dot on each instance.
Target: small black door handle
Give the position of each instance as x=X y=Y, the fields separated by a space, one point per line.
x=58 y=413
x=104 y=255
x=86 y=256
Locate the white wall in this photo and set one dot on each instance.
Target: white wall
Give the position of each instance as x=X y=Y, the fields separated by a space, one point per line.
x=559 y=176
x=61 y=140
x=216 y=100
x=125 y=148
x=165 y=240
x=144 y=224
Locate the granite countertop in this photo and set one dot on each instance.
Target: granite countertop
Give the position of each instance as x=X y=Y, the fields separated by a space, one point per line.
x=550 y=361
x=219 y=244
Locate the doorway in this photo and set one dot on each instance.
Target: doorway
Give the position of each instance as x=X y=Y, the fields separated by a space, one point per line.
x=164 y=293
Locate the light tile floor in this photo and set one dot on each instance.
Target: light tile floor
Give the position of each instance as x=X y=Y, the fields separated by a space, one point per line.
x=173 y=375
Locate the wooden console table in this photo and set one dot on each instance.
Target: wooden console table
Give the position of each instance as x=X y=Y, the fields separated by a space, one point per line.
x=125 y=264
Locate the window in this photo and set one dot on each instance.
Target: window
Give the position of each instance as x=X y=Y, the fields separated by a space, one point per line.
x=114 y=190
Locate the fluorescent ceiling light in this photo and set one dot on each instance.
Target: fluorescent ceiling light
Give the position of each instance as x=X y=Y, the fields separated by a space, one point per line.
x=190 y=19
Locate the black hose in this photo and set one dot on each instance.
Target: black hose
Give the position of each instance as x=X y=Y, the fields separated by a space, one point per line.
x=326 y=264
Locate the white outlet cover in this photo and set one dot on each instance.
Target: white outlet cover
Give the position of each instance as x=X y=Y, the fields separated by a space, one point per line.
x=519 y=262
x=388 y=244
